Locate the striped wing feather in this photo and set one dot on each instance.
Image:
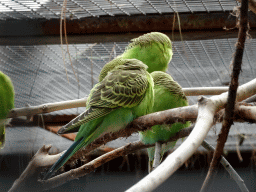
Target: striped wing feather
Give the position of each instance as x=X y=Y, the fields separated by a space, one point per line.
x=123 y=87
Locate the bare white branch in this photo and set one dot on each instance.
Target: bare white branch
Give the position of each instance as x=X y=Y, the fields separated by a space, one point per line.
x=229 y=168
x=47 y=108
x=29 y=177
x=157 y=156
x=194 y=91
x=50 y=107
x=28 y=181
x=206 y=110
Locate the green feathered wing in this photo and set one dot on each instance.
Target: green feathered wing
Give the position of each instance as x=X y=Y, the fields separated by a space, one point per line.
x=6 y=103
x=153 y=49
x=124 y=94
x=168 y=94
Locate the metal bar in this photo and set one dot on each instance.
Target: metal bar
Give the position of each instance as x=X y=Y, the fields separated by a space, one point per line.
x=125 y=24
x=123 y=37
x=119 y=28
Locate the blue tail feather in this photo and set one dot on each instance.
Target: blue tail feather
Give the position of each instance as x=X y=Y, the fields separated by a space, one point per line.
x=63 y=159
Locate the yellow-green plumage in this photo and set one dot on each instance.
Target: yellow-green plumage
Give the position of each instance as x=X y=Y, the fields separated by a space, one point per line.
x=108 y=112
x=168 y=94
x=124 y=94
x=6 y=103
x=153 y=49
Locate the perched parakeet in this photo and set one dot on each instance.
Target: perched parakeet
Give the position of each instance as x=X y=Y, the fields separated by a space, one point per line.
x=168 y=94
x=125 y=93
x=6 y=103
x=153 y=49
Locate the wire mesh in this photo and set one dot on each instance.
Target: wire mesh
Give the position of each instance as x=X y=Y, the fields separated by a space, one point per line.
x=39 y=76
x=24 y=140
x=77 y=9
x=39 y=72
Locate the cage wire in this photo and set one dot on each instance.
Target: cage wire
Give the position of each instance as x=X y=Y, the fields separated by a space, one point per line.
x=39 y=76
x=77 y=9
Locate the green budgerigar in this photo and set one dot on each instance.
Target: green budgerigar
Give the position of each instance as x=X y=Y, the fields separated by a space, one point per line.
x=168 y=94
x=124 y=94
x=153 y=49
x=6 y=104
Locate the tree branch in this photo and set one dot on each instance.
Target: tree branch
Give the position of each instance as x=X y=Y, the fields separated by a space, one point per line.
x=29 y=178
x=229 y=110
x=195 y=91
x=252 y=5
x=28 y=181
x=187 y=113
x=157 y=155
x=50 y=107
x=183 y=114
x=250 y=99
x=245 y=114
x=206 y=110
x=228 y=168
x=46 y=108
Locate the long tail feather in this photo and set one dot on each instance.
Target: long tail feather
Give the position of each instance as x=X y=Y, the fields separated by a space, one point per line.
x=64 y=129
x=63 y=159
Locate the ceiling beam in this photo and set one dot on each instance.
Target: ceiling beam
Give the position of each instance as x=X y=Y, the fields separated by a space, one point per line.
x=121 y=28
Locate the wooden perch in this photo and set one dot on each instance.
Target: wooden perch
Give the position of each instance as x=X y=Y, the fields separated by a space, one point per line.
x=206 y=110
x=28 y=181
x=252 y=5
x=46 y=108
x=169 y=116
x=50 y=107
x=245 y=114
x=142 y=123
x=195 y=91
x=229 y=109
x=233 y=174
x=182 y=114
x=157 y=155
